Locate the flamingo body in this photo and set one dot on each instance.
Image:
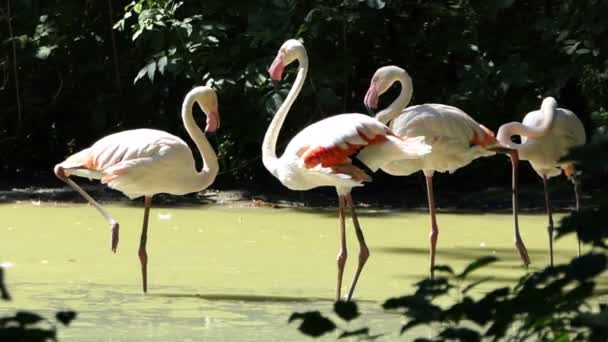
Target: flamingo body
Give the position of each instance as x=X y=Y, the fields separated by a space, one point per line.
x=139 y=162
x=320 y=154
x=546 y=135
x=544 y=152
x=456 y=139
x=145 y=162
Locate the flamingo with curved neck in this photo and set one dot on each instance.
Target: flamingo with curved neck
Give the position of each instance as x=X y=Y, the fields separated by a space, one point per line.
x=145 y=162
x=546 y=136
x=456 y=138
x=320 y=154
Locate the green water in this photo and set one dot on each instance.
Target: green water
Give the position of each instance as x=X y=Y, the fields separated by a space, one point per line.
x=232 y=273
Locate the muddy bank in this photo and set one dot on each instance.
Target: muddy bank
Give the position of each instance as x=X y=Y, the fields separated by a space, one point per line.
x=488 y=200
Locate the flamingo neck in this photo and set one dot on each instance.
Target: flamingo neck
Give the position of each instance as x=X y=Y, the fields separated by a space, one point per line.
x=404 y=98
x=506 y=131
x=206 y=176
x=269 y=155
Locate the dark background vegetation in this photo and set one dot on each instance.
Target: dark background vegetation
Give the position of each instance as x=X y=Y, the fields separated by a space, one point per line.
x=67 y=78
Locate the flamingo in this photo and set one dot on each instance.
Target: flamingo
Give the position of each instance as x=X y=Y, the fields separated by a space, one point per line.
x=320 y=154
x=145 y=162
x=455 y=137
x=546 y=136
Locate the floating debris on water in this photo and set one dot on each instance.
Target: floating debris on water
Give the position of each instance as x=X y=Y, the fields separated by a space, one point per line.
x=164 y=216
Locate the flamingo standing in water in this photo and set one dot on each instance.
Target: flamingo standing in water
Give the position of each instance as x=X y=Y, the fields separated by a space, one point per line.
x=145 y=162
x=320 y=154
x=455 y=137
x=546 y=136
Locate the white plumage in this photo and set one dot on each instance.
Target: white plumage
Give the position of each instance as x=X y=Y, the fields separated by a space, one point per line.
x=544 y=152
x=145 y=162
x=456 y=138
x=450 y=132
x=321 y=154
x=547 y=135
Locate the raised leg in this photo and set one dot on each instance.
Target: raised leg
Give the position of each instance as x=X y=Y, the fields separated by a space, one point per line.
x=363 y=250
x=519 y=243
x=60 y=173
x=550 y=217
x=143 y=255
x=434 y=234
x=342 y=253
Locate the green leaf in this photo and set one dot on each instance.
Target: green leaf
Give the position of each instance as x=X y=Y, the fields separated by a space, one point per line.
x=43 y=52
x=26 y=317
x=137 y=33
x=313 y=323
x=475 y=283
x=142 y=72
x=461 y=334
x=444 y=268
x=587 y=266
x=162 y=63
x=481 y=262
x=151 y=69
x=346 y=310
x=65 y=317
x=376 y=4
x=358 y=332
x=137 y=8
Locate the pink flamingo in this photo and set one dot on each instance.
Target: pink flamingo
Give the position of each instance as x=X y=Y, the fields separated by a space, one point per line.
x=546 y=136
x=320 y=154
x=456 y=139
x=145 y=162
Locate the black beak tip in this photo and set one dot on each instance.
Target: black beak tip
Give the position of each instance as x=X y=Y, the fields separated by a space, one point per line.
x=210 y=134
x=370 y=111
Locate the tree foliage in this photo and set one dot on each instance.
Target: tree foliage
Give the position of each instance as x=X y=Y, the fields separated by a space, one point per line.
x=90 y=68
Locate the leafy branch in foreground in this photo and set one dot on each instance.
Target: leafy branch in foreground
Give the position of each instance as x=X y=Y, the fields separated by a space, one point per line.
x=550 y=305
x=553 y=304
x=26 y=326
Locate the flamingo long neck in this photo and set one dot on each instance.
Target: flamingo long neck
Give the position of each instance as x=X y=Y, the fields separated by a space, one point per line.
x=506 y=131
x=404 y=98
x=206 y=176
x=269 y=155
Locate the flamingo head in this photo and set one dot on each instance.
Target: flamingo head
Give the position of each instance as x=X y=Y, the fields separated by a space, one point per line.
x=207 y=100
x=290 y=51
x=381 y=81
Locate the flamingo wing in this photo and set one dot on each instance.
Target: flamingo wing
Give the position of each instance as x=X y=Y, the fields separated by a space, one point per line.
x=328 y=145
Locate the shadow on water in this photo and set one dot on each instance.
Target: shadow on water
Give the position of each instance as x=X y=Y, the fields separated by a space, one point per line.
x=467 y=254
x=249 y=298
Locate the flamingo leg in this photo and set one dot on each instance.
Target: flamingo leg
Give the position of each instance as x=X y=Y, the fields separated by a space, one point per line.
x=363 y=250
x=577 y=195
x=114 y=227
x=434 y=234
x=342 y=253
x=519 y=243
x=550 y=217
x=143 y=255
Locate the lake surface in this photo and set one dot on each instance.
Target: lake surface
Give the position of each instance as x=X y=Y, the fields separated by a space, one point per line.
x=234 y=273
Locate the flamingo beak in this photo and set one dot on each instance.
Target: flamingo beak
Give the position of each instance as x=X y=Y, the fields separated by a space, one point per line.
x=213 y=122
x=371 y=98
x=277 y=67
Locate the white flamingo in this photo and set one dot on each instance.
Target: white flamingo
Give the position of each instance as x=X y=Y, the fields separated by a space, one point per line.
x=455 y=137
x=546 y=136
x=320 y=155
x=145 y=162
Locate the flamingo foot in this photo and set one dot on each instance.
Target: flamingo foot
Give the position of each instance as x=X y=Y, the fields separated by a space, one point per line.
x=114 y=227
